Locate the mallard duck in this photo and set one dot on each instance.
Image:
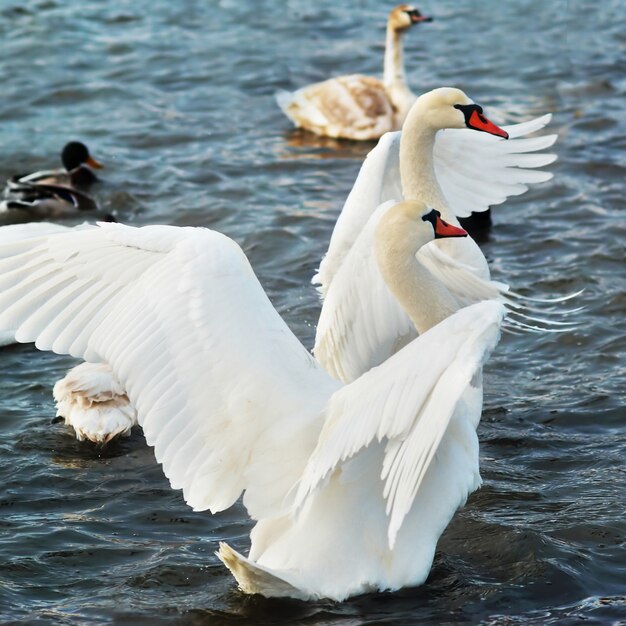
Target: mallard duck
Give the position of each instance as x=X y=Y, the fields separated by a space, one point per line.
x=53 y=193
x=46 y=200
x=76 y=173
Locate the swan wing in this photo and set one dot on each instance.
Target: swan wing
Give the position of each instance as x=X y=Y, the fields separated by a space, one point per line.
x=378 y=181
x=361 y=323
x=406 y=403
x=218 y=380
x=477 y=170
x=460 y=279
x=16 y=232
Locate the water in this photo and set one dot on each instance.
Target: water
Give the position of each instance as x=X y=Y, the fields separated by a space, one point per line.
x=176 y=99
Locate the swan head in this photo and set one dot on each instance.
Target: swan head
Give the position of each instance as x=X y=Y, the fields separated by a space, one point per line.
x=400 y=233
x=75 y=154
x=440 y=227
x=404 y=16
x=409 y=225
x=447 y=107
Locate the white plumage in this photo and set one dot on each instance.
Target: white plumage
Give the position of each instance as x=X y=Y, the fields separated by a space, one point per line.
x=232 y=402
x=374 y=498
x=197 y=367
x=433 y=160
x=464 y=160
x=89 y=398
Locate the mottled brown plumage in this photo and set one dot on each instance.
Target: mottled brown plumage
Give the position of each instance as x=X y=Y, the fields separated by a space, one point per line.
x=357 y=106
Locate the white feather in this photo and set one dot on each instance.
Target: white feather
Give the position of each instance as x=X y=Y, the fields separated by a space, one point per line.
x=475 y=171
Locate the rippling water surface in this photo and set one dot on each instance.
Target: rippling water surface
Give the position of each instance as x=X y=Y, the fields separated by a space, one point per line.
x=177 y=99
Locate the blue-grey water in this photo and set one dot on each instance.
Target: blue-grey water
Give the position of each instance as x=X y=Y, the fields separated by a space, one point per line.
x=176 y=98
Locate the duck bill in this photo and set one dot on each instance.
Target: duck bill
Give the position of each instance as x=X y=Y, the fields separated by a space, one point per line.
x=421 y=18
x=93 y=163
x=443 y=229
x=480 y=122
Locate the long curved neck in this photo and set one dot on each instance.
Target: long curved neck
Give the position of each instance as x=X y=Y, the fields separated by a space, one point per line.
x=417 y=166
x=400 y=234
x=394 y=77
x=394 y=59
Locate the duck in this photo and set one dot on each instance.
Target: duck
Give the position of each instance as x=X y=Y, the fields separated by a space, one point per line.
x=234 y=404
x=46 y=201
x=77 y=169
x=89 y=399
x=55 y=193
x=355 y=106
x=440 y=159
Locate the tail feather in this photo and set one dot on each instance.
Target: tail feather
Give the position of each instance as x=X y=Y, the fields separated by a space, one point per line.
x=254 y=578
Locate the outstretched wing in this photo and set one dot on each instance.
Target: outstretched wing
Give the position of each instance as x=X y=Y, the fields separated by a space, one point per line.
x=475 y=170
x=216 y=376
x=16 y=232
x=407 y=403
x=478 y=170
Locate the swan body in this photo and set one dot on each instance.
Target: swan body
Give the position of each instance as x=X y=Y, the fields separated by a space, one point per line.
x=432 y=160
x=232 y=402
x=356 y=106
x=374 y=497
x=398 y=451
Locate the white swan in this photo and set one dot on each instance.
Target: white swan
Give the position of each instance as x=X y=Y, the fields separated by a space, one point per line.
x=357 y=106
x=88 y=397
x=233 y=402
x=441 y=160
x=398 y=452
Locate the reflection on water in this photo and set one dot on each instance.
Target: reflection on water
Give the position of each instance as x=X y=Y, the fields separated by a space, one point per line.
x=177 y=100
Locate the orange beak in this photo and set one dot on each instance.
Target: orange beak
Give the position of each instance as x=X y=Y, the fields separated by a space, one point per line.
x=93 y=163
x=443 y=229
x=479 y=122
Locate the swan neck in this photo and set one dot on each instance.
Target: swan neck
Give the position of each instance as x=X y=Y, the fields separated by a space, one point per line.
x=393 y=75
x=399 y=237
x=417 y=166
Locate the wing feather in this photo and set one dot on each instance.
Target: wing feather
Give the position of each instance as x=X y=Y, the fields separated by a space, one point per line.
x=422 y=386
x=361 y=321
x=475 y=171
x=378 y=181
x=188 y=331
